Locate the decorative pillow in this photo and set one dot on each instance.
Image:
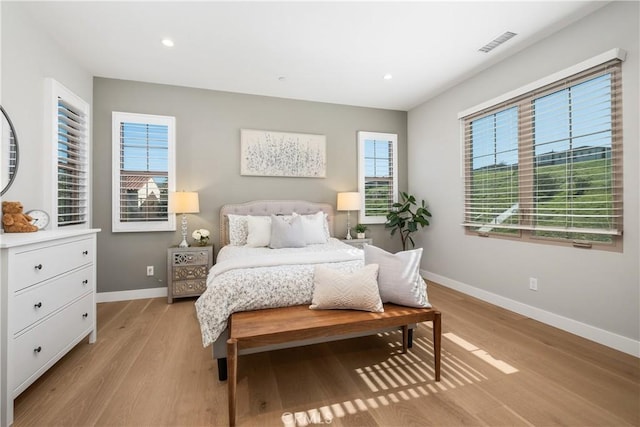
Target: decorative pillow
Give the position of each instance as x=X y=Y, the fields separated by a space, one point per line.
x=238 y=229
x=338 y=289
x=259 y=231
x=286 y=234
x=399 y=277
x=315 y=228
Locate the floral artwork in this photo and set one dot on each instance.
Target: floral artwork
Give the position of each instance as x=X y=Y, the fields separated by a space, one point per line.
x=266 y=153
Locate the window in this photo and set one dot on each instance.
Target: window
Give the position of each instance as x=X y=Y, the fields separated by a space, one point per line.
x=547 y=164
x=71 y=175
x=378 y=179
x=143 y=172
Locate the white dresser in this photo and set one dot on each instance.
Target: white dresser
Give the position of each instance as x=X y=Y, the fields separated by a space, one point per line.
x=47 y=304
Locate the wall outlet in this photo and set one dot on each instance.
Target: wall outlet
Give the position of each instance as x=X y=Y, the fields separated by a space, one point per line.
x=533 y=283
x=149 y=270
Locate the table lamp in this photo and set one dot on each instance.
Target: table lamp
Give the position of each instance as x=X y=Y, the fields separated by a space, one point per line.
x=184 y=202
x=349 y=201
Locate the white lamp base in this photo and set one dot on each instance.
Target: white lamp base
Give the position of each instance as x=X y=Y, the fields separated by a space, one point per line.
x=184 y=243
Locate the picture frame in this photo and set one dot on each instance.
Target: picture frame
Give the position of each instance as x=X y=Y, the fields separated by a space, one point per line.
x=283 y=154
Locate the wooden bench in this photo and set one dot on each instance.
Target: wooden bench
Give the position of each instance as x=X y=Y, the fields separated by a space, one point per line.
x=251 y=329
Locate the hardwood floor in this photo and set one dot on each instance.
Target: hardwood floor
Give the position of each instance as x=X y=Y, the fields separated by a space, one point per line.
x=148 y=368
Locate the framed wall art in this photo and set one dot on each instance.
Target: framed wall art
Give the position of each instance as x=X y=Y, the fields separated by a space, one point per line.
x=267 y=153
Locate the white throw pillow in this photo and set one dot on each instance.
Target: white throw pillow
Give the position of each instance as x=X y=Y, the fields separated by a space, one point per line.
x=337 y=289
x=286 y=234
x=315 y=229
x=399 y=277
x=259 y=231
x=238 y=229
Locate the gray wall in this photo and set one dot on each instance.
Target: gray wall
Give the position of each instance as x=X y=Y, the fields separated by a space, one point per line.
x=208 y=127
x=597 y=288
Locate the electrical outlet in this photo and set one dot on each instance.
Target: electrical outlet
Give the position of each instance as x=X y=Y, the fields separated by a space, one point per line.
x=149 y=270
x=533 y=283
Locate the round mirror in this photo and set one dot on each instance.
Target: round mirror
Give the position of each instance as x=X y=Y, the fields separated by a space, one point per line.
x=8 y=152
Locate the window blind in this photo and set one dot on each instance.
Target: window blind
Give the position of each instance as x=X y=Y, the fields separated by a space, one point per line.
x=72 y=165
x=549 y=161
x=144 y=168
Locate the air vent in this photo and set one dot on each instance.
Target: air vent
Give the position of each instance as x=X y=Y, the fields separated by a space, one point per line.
x=496 y=42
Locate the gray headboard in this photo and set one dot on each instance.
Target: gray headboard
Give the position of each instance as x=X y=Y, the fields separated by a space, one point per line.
x=269 y=207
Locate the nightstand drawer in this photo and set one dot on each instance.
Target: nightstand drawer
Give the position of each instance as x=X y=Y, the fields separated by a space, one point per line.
x=190 y=272
x=191 y=258
x=189 y=287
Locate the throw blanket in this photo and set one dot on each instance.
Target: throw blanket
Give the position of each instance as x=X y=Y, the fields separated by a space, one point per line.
x=276 y=278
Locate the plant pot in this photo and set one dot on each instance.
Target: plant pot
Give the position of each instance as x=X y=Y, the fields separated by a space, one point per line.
x=360 y=235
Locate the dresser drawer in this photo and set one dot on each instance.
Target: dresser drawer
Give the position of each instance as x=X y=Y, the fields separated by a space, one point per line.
x=36 y=347
x=40 y=300
x=34 y=266
x=190 y=272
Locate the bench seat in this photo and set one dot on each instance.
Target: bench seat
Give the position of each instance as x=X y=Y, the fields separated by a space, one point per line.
x=259 y=328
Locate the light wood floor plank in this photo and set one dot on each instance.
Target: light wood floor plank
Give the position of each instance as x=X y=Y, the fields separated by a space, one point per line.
x=148 y=368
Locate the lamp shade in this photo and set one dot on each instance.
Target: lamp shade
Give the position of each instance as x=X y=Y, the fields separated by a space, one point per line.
x=349 y=201
x=184 y=202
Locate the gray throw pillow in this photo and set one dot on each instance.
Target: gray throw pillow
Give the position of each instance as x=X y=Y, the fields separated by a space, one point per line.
x=335 y=289
x=286 y=233
x=399 y=277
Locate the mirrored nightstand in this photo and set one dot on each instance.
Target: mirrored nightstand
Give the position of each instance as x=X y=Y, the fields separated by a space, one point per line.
x=358 y=242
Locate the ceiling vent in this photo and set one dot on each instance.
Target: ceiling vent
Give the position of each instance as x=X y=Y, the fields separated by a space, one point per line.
x=496 y=42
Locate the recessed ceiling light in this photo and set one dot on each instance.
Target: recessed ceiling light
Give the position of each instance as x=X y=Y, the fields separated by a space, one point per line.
x=167 y=42
x=387 y=76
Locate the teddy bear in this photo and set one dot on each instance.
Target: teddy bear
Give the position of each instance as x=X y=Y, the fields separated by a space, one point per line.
x=14 y=221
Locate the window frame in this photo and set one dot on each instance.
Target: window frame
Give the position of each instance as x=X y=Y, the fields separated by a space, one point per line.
x=118 y=118
x=55 y=92
x=364 y=136
x=523 y=99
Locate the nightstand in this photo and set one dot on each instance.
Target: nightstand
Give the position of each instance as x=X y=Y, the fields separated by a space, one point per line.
x=358 y=243
x=187 y=270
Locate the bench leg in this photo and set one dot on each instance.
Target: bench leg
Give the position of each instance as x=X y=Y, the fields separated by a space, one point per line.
x=437 y=335
x=232 y=356
x=410 y=343
x=222 y=369
x=405 y=338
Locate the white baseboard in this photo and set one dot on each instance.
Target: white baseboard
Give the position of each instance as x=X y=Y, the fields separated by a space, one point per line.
x=130 y=295
x=610 y=339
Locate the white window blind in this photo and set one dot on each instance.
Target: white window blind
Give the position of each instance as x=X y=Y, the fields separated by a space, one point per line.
x=143 y=165
x=378 y=178
x=72 y=165
x=548 y=163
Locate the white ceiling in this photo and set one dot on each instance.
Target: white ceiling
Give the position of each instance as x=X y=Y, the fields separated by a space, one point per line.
x=335 y=52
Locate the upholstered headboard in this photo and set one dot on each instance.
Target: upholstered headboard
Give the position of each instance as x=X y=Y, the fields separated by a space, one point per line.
x=269 y=207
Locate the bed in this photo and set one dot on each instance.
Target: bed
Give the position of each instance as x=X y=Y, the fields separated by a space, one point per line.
x=253 y=278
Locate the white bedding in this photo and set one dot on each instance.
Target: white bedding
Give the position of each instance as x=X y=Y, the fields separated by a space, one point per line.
x=245 y=278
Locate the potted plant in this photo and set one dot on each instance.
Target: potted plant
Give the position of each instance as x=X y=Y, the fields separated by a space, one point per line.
x=404 y=220
x=360 y=230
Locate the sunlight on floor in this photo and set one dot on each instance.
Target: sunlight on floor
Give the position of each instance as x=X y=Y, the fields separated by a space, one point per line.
x=401 y=377
x=483 y=355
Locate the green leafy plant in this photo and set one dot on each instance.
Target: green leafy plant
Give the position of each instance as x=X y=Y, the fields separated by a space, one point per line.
x=361 y=228
x=405 y=218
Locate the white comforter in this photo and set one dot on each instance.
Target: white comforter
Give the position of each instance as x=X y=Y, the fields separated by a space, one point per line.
x=255 y=278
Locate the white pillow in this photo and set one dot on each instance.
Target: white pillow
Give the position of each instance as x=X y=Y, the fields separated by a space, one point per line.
x=399 y=277
x=337 y=289
x=259 y=231
x=286 y=233
x=238 y=229
x=315 y=228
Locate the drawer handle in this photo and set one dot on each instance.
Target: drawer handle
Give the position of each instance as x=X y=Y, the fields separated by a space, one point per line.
x=38 y=349
x=85 y=252
x=38 y=267
x=85 y=281
x=38 y=305
x=85 y=315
